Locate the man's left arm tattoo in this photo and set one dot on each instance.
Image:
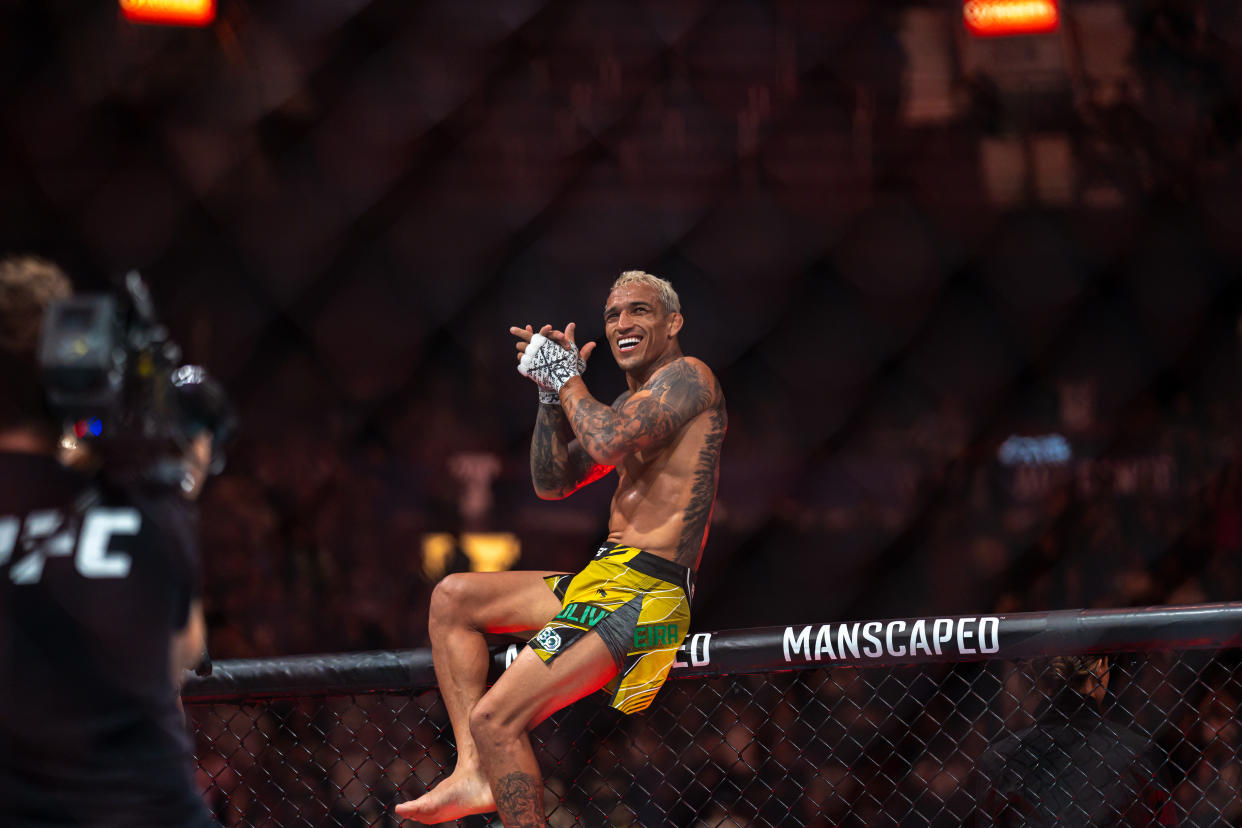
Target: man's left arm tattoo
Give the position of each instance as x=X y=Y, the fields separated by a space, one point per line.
x=677 y=393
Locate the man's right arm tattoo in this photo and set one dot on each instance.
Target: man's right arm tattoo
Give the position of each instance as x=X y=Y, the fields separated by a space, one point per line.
x=559 y=466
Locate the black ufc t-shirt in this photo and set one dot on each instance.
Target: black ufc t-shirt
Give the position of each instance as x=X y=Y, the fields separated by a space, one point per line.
x=95 y=580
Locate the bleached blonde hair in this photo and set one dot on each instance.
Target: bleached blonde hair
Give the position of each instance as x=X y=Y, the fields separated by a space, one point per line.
x=663 y=288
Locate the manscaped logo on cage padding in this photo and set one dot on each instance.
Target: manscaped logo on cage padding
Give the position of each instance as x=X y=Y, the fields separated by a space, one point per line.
x=548 y=640
x=896 y=639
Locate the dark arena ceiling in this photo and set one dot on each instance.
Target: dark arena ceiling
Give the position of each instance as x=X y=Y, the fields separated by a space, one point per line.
x=898 y=246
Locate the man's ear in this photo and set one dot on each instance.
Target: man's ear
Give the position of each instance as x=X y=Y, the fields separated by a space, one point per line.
x=675 y=321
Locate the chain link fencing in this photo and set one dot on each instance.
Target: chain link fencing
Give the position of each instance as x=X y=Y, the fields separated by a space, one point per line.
x=894 y=733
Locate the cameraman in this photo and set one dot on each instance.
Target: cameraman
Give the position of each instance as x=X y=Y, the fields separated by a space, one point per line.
x=99 y=615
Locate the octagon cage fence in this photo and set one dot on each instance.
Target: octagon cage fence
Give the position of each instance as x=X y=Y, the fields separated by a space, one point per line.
x=844 y=724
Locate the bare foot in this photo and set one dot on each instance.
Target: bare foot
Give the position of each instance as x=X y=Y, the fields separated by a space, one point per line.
x=460 y=795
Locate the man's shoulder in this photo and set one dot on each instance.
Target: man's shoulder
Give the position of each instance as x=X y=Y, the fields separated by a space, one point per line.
x=33 y=479
x=686 y=385
x=686 y=371
x=685 y=363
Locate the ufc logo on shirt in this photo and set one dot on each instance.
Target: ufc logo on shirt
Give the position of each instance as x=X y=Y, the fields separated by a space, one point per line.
x=28 y=544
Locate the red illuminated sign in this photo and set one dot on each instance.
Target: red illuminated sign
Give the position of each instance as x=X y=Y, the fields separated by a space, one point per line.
x=170 y=12
x=1010 y=17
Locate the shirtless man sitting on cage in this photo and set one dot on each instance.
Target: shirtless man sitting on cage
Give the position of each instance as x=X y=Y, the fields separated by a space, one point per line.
x=663 y=437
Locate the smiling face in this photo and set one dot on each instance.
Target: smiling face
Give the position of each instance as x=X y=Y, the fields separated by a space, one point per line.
x=639 y=330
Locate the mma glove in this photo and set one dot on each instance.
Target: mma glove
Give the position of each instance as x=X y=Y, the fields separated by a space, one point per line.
x=550 y=365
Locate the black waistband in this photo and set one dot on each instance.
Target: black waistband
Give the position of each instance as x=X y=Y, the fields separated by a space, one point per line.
x=652 y=565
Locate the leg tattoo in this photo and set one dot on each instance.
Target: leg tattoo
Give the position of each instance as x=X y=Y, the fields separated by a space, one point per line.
x=519 y=800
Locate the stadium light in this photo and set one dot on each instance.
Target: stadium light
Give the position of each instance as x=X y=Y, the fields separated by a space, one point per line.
x=170 y=12
x=992 y=18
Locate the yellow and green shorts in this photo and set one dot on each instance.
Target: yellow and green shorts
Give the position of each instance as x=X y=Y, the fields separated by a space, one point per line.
x=639 y=604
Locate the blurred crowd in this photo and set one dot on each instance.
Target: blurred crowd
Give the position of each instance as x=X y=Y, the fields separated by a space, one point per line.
x=839 y=214
x=315 y=545
x=855 y=748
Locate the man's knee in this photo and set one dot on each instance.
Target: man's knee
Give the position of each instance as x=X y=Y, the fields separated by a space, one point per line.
x=491 y=725
x=450 y=597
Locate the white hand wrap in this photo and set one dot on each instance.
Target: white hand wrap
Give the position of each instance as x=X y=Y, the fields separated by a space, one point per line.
x=550 y=365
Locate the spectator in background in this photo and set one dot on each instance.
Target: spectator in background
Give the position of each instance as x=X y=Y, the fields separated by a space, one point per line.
x=1208 y=745
x=1073 y=767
